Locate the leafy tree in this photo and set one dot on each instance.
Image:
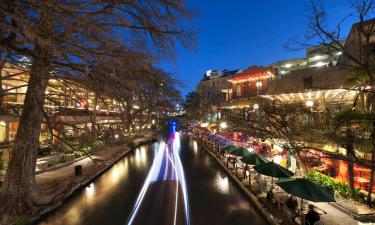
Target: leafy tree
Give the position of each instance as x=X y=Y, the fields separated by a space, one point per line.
x=192 y=107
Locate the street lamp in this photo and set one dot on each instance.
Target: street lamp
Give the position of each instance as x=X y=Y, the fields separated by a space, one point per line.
x=310 y=104
x=223 y=125
x=256 y=106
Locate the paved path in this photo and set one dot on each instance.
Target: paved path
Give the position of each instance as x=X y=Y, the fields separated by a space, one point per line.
x=337 y=217
x=66 y=172
x=63 y=172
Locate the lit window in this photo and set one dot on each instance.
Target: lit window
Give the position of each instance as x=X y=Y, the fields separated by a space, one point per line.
x=238 y=90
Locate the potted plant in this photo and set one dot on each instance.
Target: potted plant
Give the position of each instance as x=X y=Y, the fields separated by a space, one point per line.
x=3 y=167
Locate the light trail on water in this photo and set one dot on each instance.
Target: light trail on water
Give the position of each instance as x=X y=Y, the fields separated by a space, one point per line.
x=166 y=167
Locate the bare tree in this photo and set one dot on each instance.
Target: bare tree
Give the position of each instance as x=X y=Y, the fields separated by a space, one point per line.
x=357 y=55
x=62 y=37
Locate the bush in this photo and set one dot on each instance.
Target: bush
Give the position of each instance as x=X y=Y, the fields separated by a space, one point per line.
x=84 y=150
x=55 y=161
x=97 y=145
x=23 y=220
x=3 y=164
x=338 y=187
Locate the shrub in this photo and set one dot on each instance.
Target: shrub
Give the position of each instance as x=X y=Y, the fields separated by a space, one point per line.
x=3 y=164
x=23 y=220
x=338 y=187
x=84 y=150
x=55 y=161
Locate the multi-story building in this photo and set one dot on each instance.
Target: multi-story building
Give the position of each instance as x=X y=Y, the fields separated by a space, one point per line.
x=316 y=57
x=248 y=84
x=210 y=87
x=69 y=105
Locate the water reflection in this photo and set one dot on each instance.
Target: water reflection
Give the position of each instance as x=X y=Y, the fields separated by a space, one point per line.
x=195 y=147
x=214 y=198
x=108 y=198
x=90 y=192
x=117 y=173
x=222 y=183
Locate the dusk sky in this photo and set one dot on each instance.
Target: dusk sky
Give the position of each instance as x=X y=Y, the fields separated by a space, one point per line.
x=240 y=33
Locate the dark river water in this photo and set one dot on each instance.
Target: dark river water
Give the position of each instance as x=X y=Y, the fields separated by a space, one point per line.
x=213 y=198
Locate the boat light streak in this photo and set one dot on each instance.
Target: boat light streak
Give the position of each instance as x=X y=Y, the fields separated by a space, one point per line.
x=152 y=174
x=159 y=172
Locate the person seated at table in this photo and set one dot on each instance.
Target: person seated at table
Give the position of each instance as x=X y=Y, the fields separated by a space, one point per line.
x=292 y=204
x=246 y=168
x=270 y=195
x=312 y=216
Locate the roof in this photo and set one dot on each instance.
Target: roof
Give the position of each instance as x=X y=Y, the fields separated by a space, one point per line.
x=253 y=72
x=229 y=73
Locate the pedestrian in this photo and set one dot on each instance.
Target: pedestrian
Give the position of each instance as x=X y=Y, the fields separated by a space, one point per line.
x=312 y=216
x=292 y=204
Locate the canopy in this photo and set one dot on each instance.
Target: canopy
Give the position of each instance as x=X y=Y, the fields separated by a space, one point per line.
x=240 y=151
x=229 y=148
x=272 y=169
x=253 y=159
x=306 y=189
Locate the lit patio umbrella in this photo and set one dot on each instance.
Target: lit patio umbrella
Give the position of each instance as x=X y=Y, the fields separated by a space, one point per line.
x=228 y=148
x=306 y=189
x=273 y=169
x=240 y=151
x=222 y=142
x=253 y=159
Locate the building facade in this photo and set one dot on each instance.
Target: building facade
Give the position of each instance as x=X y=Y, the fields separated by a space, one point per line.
x=210 y=87
x=71 y=109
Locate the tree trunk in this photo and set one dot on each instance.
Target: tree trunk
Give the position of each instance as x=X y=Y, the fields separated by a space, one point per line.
x=93 y=118
x=19 y=184
x=351 y=174
x=1 y=84
x=301 y=164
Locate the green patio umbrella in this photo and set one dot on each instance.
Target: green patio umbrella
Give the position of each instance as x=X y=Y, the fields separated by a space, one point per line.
x=272 y=169
x=228 y=148
x=306 y=189
x=240 y=151
x=253 y=159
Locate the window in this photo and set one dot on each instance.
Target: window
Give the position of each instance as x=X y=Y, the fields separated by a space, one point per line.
x=307 y=82
x=238 y=90
x=259 y=85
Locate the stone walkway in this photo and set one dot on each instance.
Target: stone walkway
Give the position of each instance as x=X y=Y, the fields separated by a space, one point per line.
x=337 y=217
x=88 y=165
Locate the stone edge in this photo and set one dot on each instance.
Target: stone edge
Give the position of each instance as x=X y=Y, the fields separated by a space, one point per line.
x=87 y=181
x=266 y=214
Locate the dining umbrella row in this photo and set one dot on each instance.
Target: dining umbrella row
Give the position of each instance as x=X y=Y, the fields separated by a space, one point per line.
x=218 y=139
x=299 y=187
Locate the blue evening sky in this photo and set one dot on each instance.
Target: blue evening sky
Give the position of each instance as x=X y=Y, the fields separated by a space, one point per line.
x=239 y=33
